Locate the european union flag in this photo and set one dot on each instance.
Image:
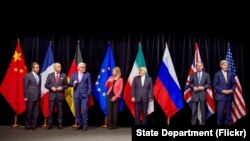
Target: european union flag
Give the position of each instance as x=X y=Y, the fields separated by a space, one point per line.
x=105 y=72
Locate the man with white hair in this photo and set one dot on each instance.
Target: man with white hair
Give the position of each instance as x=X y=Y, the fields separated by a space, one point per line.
x=224 y=85
x=56 y=83
x=142 y=93
x=81 y=81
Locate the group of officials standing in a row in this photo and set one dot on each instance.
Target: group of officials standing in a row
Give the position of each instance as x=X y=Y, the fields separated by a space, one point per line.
x=56 y=83
x=142 y=93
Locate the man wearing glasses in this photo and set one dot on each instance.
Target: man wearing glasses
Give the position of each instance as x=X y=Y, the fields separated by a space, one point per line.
x=81 y=81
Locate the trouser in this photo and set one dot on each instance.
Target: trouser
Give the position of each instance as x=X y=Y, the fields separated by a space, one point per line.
x=194 y=108
x=112 y=112
x=32 y=113
x=141 y=107
x=81 y=109
x=52 y=104
x=221 y=107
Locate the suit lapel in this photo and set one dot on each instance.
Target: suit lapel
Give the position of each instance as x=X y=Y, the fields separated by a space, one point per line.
x=222 y=75
x=140 y=81
x=202 y=77
x=197 y=77
x=33 y=77
x=145 y=81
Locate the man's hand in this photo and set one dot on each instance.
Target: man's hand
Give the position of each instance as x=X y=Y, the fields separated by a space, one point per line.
x=53 y=89
x=25 y=99
x=200 y=88
x=59 y=88
x=225 y=92
x=133 y=99
x=75 y=82
x=195 y=89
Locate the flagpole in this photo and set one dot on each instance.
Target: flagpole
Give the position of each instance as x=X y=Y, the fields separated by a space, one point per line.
x=105 y=124
x=168 y=122
x=45 y=123
x=75 y=125
x=15 y=123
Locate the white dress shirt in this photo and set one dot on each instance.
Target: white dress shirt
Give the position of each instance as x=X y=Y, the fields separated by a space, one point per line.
x=142 y=80
x=225 y=75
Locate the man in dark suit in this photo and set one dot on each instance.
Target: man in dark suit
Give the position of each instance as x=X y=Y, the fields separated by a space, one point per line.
x=81 y=81
x=56 y=83
x=142 y=93
x=32 y=91
x=224 y=85
x=199 y=82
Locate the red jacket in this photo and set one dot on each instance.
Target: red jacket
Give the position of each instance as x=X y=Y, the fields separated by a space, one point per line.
x=118 y=86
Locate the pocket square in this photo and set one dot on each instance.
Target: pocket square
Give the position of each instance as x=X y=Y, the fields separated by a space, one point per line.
x=62 y=78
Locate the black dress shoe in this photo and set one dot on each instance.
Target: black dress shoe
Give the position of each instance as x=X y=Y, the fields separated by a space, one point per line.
x=79 y=128
x=85 y=129
x=60 y=127
x=33 y=128
x=49 y=127
x=27 y=128
x=110 y=128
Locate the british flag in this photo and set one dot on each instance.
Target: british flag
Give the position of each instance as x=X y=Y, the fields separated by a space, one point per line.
x=188 y=91
x=238 y=105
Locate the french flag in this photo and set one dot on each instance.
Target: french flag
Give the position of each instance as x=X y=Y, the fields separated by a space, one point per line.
x=46 y=69
x=167 y=90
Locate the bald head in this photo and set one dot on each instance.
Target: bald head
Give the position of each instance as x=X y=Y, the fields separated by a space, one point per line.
x=57 y=67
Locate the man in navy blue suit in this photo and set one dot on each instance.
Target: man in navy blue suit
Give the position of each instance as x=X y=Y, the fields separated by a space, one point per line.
x=224 y=85
x=81 y=81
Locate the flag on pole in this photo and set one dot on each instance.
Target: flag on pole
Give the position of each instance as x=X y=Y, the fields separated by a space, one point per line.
x=46 y=69
x=105 y=72
x=238 y=105
x=167 y=90
x=12 y=86
x=70 y=90
x=188 y=91
x=139 y=62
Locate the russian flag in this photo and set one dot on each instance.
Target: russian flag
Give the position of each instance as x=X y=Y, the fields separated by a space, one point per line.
x=167 y=90
x=46 y=69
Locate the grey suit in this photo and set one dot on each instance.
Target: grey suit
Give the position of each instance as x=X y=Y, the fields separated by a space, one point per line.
x=142 y=95
x=32 y=91
x=199 y=96
x=56 y=97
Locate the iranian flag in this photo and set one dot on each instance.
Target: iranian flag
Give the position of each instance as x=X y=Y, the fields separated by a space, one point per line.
x=139 y=62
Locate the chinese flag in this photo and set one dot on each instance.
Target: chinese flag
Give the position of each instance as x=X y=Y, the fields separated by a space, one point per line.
x=12 y=86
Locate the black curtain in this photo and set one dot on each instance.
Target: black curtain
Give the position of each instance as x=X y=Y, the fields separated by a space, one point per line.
x=125 y=44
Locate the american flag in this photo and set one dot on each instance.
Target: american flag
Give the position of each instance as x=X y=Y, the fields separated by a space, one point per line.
x=238 y=105
x=188 y=91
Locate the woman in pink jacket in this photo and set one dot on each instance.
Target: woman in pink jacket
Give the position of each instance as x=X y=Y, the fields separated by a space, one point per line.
x=115 y=86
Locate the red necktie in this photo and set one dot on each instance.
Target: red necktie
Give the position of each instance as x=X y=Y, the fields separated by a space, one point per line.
x=57 y=78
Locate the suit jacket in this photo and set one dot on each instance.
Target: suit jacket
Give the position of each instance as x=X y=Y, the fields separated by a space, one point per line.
x=220 y=84
x=51 y=82
x=32 y=90
x=83 y=88
x=118 y=86
x=144 y=92
x=205 y=82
